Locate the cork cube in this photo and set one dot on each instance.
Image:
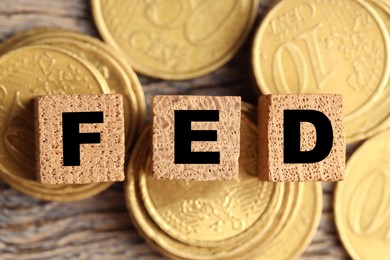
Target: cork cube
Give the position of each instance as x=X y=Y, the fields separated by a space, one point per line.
x=79 y=138
x=277 y=136
x=196 y=137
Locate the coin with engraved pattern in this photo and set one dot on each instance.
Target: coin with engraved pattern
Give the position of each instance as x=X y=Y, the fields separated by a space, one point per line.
x=225 y=219
x=175 y=39
x=377 y=118
x=362 y=201
x=25 y=74
x=294 y=192
x=298 y=236
x=320 y=46
x=229 y=206
x=117 y=72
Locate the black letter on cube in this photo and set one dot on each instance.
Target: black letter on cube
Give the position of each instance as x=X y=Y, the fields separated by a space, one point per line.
x=292 y=136
x=72 y=138
x=184 y=135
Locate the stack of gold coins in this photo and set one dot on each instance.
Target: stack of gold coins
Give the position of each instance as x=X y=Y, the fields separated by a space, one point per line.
x=52 y=61
x=214 y=220
x=327 y=47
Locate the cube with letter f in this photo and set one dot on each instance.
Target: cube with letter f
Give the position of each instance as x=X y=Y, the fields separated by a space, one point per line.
x=196 y=137
x=80 y=138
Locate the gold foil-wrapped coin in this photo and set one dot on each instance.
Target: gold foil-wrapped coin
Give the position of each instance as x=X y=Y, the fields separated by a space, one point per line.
x=25 y=74
x=175 y=39
x=362 y=201
x=327 y=47
x=209 y=220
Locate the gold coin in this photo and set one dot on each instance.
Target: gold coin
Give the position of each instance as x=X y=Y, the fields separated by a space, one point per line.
x=141 y=173
x=362 y=201
x=175 y=39
x=208 y=220
x=324 y=47
x=285 y=218
x=383 y=3
x=116 y=71
x=295 y=240
x=10 y=42
x=25 y=74
x=210 y=214
x=376 y=118
x=62 y=193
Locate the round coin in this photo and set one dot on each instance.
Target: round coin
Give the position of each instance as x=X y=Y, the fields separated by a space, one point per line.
x=175 y=39
x=63 y=193
x=376 y=118
x=10 y=42
x=26 y=73
x=296 y=239
x=293 y=190
x=228 y=204
x=362 y=201
x=323 y=47
x=207 y=220
x=116 y=71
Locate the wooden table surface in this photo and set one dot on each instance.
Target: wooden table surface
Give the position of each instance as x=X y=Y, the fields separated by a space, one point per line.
x=100 y=227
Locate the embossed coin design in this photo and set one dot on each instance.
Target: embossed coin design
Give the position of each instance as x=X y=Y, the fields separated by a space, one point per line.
x=116 y=71
x=325 y=47
x=178 y=39
x=292 y=200
x=362 y=201
x=220 y=219
x=26 y=73
x=377 y=117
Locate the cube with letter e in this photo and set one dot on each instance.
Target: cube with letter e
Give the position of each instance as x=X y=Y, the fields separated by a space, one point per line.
x=301 y=137
x=196 y=137
x=79 y=138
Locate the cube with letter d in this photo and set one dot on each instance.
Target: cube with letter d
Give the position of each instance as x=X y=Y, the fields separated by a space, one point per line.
x=196 y=137
x=80 y=138
x=301 y=137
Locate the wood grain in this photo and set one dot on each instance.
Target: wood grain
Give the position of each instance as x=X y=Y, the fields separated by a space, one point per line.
x=99 y=227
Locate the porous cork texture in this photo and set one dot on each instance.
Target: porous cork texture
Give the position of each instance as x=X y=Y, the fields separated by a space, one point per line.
x=228 y=137
x=100 y=162
x=271 y=138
